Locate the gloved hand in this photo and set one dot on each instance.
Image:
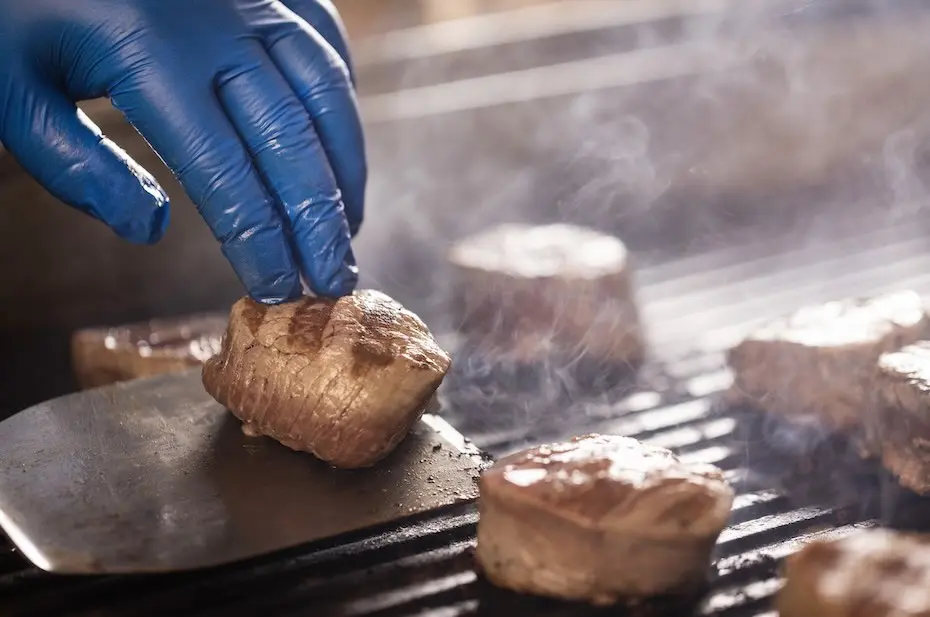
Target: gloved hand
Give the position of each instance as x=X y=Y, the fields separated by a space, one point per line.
x=249 y=102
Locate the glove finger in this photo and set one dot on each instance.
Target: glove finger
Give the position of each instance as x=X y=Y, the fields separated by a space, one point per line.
x=320 y=80
x=187 y=127
x=59 y=146
x=324 y=18
x=288 y=154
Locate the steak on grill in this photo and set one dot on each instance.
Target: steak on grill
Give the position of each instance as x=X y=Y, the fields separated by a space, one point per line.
x=818 y=364
x=873 y=572
x=599 y=518
x=101 y=356
x=900 y=432
x=343 y=379
x=527 y=293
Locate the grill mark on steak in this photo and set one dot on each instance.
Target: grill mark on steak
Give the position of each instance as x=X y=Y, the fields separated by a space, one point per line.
x=344 y=379
x=368 y=356
x=306 y=328
x=369 y=350
x=254 y=314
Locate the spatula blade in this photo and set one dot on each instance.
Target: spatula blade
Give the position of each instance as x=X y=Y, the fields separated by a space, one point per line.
x=154 y=476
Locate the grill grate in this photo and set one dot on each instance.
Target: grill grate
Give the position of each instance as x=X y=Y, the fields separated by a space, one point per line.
x=425 y=566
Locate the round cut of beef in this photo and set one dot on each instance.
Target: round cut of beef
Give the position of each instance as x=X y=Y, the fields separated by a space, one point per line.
x=599 y=518
x=343 y=379
x=873 y=572
x=819 y=364
x=899 y=429
x=527 y=293
x=101 y=356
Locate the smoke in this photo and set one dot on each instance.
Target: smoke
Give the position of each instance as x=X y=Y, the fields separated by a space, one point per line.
x=707 y=124
x=901 y=157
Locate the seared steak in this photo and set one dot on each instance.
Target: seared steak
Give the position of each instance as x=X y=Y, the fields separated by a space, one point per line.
x=900 y=432
x=526 y=294
x=818 y=364
x=102 y=356
x=344 y=379
x=875 y=572
x=599 y=518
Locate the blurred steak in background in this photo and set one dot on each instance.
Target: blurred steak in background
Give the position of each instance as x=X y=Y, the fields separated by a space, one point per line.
x=101 y=356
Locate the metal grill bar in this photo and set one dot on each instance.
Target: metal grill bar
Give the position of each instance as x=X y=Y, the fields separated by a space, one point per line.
x=542 y=35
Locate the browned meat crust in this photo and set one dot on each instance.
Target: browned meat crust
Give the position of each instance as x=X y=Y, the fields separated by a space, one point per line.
x=899 y=433
x=526 y=294
x=874 y=572
x=599 y=518
x=342 y=379
x=819 y=363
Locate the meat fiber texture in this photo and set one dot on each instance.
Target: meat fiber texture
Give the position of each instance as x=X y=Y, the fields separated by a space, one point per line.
x=899 y=433
x=876 y=572
x=101 y=356
x=819 y=364
x=343 y=379
x=528 y=293
x=598 y=519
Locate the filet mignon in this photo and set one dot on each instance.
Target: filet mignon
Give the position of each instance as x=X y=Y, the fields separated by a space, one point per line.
x=101 y=356
x=818 y=364
x=599 y=518
x=900 y=432
x=873 y=572
x=526 y=294
x=343 y=379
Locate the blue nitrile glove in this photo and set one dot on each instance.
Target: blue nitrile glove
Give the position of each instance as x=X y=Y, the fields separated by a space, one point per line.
x=249 y=102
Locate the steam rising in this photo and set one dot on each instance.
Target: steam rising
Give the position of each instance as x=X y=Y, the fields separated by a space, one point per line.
x=676 y=134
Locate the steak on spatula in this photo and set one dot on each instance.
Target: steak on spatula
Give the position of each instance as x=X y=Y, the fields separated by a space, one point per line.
x=343 y=379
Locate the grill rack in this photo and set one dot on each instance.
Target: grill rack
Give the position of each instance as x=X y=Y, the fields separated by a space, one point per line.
x=425 y=566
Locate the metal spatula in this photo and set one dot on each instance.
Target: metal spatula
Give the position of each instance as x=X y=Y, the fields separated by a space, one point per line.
x=153 y=475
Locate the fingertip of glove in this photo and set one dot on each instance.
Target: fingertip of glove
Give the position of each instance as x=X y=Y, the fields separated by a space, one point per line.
x=354 y=227
x=283 y=289
x=341 y=285
x=159 y=223
x=342 y=281
x=148 y=229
